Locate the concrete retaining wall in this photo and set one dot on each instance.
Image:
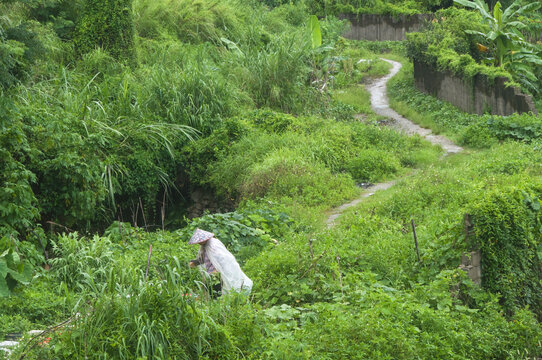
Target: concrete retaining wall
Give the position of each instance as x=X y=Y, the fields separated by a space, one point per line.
x=382 y=27
x=471 y=264
x=478 y=95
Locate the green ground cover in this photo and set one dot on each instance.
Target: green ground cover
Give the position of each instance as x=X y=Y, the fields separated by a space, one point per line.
x=381 y=7
x=239 y=102
x=466 y=129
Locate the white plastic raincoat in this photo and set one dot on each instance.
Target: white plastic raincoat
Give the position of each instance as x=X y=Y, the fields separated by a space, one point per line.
x=233 y=278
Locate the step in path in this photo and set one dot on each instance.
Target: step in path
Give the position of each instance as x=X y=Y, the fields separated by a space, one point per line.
x=7 y=346
x=381 y=106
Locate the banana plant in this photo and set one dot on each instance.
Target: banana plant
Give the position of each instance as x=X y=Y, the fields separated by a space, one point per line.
x=322 y=62
x=314 y=30
x=504 y=26
x=520 y=64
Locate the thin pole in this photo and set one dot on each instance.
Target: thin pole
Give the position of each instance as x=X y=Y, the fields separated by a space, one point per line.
x=148 y=264
x=338 y=258
x=415 y=239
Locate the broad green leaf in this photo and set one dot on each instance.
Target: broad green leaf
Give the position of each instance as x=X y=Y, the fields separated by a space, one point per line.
x=466 y=3
x=314 y=28
x=517 y=24
x=497 y=14
x=16 y=258
x=4 y=289
x=3 y=268
x=535 y=5
x=24 y=275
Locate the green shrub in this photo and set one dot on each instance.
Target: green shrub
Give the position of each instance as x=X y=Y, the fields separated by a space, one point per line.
x=392 y=7
x=22 y=45
x=189 y=20
x=13 y=269
x=507 y=226
x=18 y=204
x=271 y=121
x=240 y=233
x=373 y=165
x=282 y=173
x=198 y=155
x=33 y=307
x=11 y=61
x=106 y=24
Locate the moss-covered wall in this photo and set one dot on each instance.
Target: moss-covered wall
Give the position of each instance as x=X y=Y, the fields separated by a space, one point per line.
x=476 y=95
x=382 y=27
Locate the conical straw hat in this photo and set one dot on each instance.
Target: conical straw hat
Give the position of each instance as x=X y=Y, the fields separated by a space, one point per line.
x=200 y=236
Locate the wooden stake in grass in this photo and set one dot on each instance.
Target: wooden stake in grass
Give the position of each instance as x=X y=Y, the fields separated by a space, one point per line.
x=338 y=258
x=415 y=239
x=148 y=264
x=311 y=250
x=163 y=210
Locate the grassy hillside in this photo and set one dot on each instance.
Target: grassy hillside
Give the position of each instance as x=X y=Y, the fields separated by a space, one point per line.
x=109 y=139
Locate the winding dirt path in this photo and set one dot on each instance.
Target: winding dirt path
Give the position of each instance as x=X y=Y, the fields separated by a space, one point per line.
x=381 y=106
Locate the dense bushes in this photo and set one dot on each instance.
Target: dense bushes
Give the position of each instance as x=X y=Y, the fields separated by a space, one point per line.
x=393 y=7
x=467 y=44
x=17 y=201
x=445 y=44
x=106 y=24
x=507 y=230
x=302 y=156
x=21 y=45
x=105 y=137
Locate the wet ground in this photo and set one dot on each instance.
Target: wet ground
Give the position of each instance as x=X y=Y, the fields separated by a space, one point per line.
x=381 y=106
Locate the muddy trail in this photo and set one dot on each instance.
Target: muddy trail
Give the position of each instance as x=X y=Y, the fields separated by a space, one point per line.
x=381 y=106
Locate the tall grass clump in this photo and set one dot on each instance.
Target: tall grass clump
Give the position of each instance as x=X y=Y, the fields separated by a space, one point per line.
x=277 y=75
x=157 y=319
x=192 y=21
x=194 y=94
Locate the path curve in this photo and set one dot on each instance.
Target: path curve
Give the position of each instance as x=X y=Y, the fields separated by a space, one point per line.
x=381 y=106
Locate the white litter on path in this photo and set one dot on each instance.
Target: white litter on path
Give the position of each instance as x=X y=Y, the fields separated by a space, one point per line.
x=6 y=346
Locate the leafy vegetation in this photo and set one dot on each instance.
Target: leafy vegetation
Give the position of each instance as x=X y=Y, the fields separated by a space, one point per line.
x=105 y=138
x=469 y=43
x=388 y=7
x=467 y=129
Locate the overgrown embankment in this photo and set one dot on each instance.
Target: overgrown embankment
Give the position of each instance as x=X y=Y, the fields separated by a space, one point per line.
x=280 y=140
